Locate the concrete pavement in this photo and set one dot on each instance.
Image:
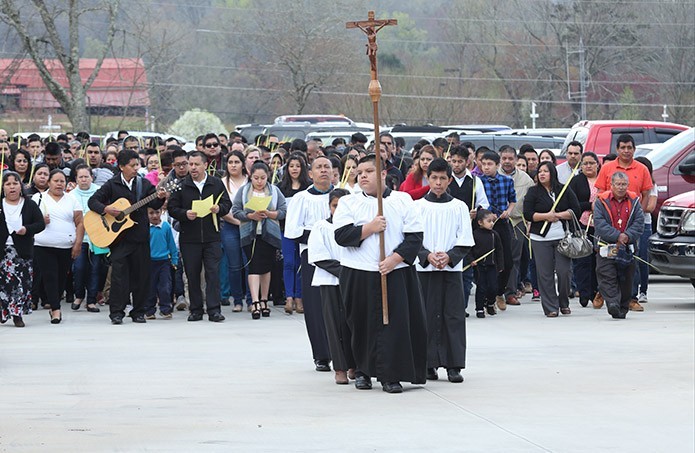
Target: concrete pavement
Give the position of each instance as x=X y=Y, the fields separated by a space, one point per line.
x=578 y=383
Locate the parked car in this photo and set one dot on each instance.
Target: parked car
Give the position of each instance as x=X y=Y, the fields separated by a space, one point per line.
x=290 y=131
x=672 y=164
x=142 y=135
x=672 y=247
x=601 y=137
x=646 y=148
x=496 y=141
x=545 y=132
x=250 y=131
x=313 y=119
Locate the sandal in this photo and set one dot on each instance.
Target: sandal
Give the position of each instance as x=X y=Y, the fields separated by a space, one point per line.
x=265 y=311
x=552 y=314
x=256 y=310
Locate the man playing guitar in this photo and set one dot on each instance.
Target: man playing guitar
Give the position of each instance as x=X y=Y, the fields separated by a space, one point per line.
x=130 y=255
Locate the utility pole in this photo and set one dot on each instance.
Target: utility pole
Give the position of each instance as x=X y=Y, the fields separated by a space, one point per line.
x=581 y=94
x=533 y=115
x=665 y=114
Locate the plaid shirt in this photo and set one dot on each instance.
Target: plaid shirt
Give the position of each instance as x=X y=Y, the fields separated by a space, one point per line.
x=500 y=192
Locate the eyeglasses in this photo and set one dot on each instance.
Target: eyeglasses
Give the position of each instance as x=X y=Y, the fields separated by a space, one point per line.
x=181 y=165
x=212 y=145
x=589 y=163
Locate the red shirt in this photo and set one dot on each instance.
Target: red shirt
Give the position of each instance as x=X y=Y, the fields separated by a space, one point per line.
x=638 y=176
x=620 y=212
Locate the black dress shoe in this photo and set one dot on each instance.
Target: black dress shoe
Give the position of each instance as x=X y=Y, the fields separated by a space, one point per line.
x=363 y=382
x=613 y=309
x=216 y=317
x=117 y=320
x=322 y=365
x=454 y=375
x=195 y=316
x=432 y=374
x=93 y=309
x=392 y=387
x=139 y=319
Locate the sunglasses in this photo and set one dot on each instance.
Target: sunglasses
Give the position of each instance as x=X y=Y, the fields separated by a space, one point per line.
x=212 y=145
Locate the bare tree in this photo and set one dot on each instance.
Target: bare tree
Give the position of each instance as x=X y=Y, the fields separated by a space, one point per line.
x=298 y=48
x=41 y=39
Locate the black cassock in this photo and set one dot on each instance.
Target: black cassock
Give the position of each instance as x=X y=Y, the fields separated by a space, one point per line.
x=446 y=319
x=396 y=352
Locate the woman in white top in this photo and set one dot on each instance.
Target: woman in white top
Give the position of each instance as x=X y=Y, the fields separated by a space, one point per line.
x=87 y=269
x=547 y=229
x=20 y=220
x=60 y=242
x=234 y=178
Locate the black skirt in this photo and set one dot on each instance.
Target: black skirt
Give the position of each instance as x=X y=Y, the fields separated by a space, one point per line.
x=261 y=256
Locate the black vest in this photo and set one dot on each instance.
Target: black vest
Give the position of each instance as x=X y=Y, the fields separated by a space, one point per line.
x=463 y=192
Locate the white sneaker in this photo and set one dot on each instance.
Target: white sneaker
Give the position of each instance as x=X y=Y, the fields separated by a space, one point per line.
x=181 y=304
x=642 y=298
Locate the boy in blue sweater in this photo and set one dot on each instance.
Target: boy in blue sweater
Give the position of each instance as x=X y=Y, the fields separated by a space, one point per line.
x=163 y=255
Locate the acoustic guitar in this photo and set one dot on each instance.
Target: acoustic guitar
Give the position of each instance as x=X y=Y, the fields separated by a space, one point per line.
x=104 y=229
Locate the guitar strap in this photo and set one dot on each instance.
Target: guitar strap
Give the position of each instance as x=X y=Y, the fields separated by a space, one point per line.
x=138 y=188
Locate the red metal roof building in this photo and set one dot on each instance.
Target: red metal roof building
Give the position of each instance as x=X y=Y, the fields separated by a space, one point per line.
x=121 y=83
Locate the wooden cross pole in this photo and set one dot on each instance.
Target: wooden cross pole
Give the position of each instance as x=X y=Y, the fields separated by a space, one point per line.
x=371 y=27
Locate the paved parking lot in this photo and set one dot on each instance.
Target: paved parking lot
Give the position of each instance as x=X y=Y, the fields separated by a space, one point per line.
x=578 y=383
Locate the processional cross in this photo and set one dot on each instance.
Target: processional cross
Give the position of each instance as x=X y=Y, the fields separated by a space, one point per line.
x=371 y=27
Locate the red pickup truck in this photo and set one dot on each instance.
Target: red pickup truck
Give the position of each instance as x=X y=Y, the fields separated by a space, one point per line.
x=672 y=166
x=601 y=137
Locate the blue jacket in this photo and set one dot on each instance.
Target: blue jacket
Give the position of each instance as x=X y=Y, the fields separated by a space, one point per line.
x=162 y=244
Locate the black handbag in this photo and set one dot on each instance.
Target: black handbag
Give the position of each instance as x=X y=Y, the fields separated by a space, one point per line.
x=575 y=244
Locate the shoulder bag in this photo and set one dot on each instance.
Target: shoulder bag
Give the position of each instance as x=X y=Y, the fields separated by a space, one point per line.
x=575 y=244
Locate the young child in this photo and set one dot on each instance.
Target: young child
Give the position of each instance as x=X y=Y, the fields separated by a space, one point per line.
x=324 y=253
x=446 y=240
x=486 y=269
x=163 y=255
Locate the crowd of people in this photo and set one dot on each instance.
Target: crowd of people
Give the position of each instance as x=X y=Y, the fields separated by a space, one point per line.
x=296 y=224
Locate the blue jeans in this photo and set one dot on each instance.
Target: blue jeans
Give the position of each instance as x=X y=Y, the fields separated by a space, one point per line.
x=231 y=246
x=160 y=287
x=290 y=270
x=224 y=275
x=86 y=271
x=641 y=281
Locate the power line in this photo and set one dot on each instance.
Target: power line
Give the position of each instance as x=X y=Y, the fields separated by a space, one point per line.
x=460 y=43
x=448 y=78
x=414 y=96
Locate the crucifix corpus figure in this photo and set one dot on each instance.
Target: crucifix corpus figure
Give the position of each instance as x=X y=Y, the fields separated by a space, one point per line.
x=371 y=27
